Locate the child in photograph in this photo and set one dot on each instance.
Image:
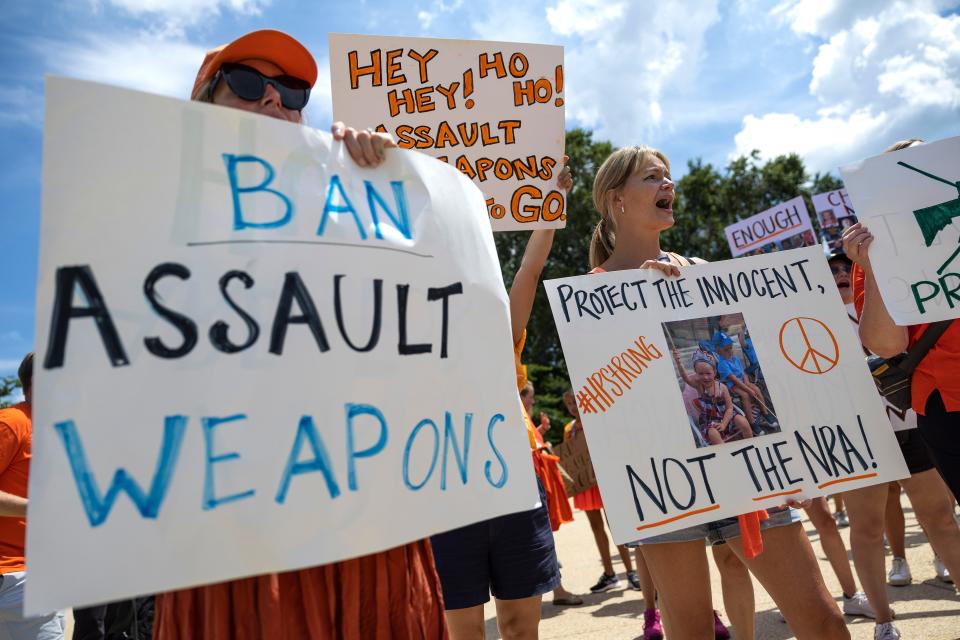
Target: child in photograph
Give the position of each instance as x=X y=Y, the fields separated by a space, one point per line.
x=746 y=344
x=715 y=415
x=730 y=370
x=827 y=218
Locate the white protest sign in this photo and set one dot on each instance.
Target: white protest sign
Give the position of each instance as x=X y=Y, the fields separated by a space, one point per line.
x=833 y=207
x=910 y=201
x=773 y=226
x=651 y=426
x=253 y=355
x=494 y=110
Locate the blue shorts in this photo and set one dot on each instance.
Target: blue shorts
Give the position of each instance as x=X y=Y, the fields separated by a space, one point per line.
x=510 y=556
x=719 y=531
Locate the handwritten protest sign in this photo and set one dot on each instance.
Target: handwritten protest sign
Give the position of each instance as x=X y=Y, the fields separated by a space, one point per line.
x=833 y=207
x=910 y=201
x=253 y=355
x=785 y=226
x=645 y=354
x=494 y=110
x=575 y=460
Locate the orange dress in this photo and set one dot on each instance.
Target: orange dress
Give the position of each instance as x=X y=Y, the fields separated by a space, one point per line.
x=544 y=463
x=392 y=594
x=588 y=499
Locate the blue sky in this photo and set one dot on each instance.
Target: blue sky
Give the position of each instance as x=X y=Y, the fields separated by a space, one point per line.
x=833 y=80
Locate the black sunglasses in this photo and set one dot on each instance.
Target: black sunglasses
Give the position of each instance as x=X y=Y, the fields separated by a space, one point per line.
x=841 y=267
x=249 y=84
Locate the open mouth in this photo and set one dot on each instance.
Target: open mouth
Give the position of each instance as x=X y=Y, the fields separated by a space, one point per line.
x=665 y=203
x=843 y=282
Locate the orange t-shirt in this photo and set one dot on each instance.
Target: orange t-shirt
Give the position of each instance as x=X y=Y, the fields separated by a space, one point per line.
x=938 y=371
x=15 y=436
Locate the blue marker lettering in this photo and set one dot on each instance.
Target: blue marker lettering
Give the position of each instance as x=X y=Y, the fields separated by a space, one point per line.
x=98 y=506
x=210 y=501
x=329 y=207
x=307 y=431
x=406 y=454
x=400 y=221
x=503 y=463
x=238 y=220
x=449 y=435
x=353 y=411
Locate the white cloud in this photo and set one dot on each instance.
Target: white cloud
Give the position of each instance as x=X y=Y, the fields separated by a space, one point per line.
x=879 y=76
x=582 y=16
x=437 y=9
x=624 y=57
x=131 y=61
x=319 y=111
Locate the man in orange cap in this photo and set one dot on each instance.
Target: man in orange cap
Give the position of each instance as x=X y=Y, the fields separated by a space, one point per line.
x=394 y=593
x=271 y=73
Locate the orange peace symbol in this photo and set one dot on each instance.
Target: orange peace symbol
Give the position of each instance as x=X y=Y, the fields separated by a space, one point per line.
x=821 y=352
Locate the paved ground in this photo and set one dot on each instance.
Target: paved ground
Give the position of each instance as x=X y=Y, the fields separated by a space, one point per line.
x=926 y=610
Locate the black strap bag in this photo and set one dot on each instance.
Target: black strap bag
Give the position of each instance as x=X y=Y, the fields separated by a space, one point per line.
x=892 y=375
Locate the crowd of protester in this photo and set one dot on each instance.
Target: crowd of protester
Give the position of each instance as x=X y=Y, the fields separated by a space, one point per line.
x=436 y=588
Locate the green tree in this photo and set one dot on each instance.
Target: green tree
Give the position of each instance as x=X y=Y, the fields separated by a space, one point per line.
x=8 y=390
x=708 y=200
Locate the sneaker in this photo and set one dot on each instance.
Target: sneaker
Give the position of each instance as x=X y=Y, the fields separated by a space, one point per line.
x=720 y=630
x=943 y=574
x=759 y=426
x=899 y=575
x=605 y=583
x=842 y=521
x=633 y=580
x=886 y=631
x=652 y=629
x=858 y=605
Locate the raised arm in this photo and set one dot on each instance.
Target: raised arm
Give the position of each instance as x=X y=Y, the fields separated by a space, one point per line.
x=683 y=372
x=524 y=287
x=525 y=282
x=878 y=332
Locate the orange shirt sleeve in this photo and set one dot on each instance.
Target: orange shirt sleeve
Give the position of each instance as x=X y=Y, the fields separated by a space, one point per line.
x=859 y=280
x=521 y=368
x=9 y=445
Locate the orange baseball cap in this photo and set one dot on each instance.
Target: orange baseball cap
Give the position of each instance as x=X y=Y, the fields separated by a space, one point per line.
x=267 y=44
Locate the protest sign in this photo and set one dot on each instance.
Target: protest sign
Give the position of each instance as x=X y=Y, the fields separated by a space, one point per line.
x=666 y=453
x=254 y=355
x=910 y=201
x=833 y=207
x=785 y=226
x=494 y=110
x=575 y=460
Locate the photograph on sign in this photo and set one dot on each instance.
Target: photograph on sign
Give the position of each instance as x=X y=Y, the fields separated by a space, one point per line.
x=724 y=393
x=665 y=453
x=246 y=341
x=493 y=110
x=784 y=226
x=910 y=201
x=831 y=207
